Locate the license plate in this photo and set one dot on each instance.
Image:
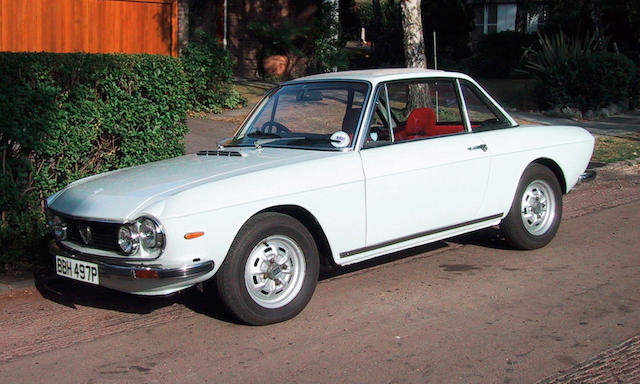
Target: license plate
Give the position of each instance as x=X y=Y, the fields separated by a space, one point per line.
x=77 y=270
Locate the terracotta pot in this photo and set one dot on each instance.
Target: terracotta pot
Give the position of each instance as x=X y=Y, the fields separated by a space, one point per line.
x=276 y=65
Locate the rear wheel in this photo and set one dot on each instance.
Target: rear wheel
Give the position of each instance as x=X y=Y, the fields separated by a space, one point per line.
x=271 y=270
x=536 y=210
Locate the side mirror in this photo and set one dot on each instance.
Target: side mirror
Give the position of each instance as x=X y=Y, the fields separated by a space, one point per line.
x=223 y=142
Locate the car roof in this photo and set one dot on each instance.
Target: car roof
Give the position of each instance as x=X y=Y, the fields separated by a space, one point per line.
x=378 y=75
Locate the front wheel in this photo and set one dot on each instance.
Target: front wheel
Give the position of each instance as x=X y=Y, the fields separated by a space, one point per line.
x=536 y=210
x=271 y=270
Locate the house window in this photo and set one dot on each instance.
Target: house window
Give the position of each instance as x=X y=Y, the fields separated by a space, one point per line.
x=492 y=18
x=535 y=19
x=506 y=17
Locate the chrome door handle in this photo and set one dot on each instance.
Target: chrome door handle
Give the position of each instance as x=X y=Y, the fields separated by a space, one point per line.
x=481 y=146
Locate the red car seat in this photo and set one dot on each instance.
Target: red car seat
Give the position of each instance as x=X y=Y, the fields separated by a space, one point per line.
x=420 y=123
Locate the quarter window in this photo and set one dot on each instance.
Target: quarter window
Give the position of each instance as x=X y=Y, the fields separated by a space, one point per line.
x=483 y=116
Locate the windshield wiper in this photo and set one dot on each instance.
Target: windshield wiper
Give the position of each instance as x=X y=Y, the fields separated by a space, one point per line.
x=263 y=135
x=260 y=143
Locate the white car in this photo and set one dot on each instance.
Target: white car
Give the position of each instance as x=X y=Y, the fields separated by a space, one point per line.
x=328 y=169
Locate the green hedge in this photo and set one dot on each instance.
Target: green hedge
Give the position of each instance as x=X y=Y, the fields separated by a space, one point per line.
x=66 y=116
x=209 y=72
x=590 y=81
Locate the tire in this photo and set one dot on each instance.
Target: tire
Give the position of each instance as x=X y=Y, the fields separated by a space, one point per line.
x=271 y=270
x=536 y=210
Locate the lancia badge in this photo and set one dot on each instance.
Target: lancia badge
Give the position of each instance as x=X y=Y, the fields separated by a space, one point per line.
x=85 y=233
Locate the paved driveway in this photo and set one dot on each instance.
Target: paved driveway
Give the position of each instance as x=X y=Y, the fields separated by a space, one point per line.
x=466 y=310
x=619 y=125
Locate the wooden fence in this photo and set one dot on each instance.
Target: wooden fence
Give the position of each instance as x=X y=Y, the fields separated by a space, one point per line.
x=96 y=26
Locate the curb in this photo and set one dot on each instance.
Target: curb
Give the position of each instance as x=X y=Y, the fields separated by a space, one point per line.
x=8 y=284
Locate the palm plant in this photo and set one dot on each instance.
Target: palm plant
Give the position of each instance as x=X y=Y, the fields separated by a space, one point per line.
x=559 y=49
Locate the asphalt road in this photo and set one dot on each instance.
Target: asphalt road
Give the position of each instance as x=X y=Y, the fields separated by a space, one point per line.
x=466 y=310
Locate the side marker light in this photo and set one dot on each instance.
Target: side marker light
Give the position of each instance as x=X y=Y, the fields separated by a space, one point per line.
x=193 y=235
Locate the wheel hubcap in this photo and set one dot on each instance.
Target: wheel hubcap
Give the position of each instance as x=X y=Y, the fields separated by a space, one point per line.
x=538 y=207
x=274 y=271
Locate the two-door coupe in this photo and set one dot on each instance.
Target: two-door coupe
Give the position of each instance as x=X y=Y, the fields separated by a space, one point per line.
x=328 y=169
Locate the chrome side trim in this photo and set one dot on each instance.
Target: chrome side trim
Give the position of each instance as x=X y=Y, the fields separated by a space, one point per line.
x=417 y=235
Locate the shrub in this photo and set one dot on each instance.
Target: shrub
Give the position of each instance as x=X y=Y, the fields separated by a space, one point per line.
x=590 y=81
x=328 y=53
x=579 y=73
x=556 y=50
x=66 y=116
x=209 y=73
x=498 y=55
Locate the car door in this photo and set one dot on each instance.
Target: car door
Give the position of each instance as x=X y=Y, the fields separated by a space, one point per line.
x=509 y=147
x=421 y=180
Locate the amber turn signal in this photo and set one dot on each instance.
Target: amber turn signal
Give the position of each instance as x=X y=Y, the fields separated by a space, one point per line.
x=193 y=235
x=145 y=274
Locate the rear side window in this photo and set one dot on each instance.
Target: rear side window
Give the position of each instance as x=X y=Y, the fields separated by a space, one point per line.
x=483 y=116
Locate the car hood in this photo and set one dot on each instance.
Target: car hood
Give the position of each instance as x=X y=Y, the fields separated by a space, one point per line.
x=115 y=195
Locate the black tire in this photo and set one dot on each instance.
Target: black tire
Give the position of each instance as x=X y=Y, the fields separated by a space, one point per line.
x=523 y=227
x=238 y=285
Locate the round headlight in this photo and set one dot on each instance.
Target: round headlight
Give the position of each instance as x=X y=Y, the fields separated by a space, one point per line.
x=149 y=234
x=127 y=240
x=58 y=227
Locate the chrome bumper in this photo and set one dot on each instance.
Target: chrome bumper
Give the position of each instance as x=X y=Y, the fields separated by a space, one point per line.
x=141 y=279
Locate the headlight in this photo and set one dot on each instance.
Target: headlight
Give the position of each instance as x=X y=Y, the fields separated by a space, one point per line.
x=150 y=234
x=58 y=227
x=144 y=234
x=127 y=240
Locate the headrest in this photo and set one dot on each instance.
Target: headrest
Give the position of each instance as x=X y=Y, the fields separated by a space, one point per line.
x=420 y=120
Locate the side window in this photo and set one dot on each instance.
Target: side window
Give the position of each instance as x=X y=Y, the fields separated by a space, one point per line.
x=419 y=110
x=482 y=114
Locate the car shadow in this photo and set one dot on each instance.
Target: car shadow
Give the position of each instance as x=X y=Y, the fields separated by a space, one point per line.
x=328 y=272
x=487 y=238
x=71 y=294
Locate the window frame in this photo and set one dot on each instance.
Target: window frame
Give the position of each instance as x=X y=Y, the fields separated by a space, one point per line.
x=382 y=86
x=273 y=93
x=482 y=95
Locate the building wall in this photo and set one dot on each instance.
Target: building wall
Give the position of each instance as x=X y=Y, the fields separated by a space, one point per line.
x=95 y=26
x=243 y=46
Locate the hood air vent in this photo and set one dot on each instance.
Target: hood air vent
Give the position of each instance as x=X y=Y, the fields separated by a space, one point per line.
x=223 y=153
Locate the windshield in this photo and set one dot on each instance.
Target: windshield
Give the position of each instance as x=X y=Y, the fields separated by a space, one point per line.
x=318 y=115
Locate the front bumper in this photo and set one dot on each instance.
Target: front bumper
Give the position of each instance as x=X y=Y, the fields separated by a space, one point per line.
x=141 y=279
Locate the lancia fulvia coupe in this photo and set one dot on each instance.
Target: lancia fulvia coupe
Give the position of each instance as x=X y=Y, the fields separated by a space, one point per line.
x=328 y=169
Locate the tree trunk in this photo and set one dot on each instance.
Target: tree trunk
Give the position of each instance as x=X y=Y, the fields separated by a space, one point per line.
x=331 y=19
x=413 y=37
x=183 y=24
x=414 y=54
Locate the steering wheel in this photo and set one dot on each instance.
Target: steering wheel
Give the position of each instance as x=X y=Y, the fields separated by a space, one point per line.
x=274 y=127
x=383 y=134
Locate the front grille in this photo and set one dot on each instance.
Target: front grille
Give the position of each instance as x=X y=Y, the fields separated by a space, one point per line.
x=103 y=235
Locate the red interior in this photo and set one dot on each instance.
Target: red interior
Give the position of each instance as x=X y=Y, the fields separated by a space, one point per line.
x=422 y=123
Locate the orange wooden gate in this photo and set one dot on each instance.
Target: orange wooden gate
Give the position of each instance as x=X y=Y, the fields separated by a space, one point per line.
x=96 y=26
